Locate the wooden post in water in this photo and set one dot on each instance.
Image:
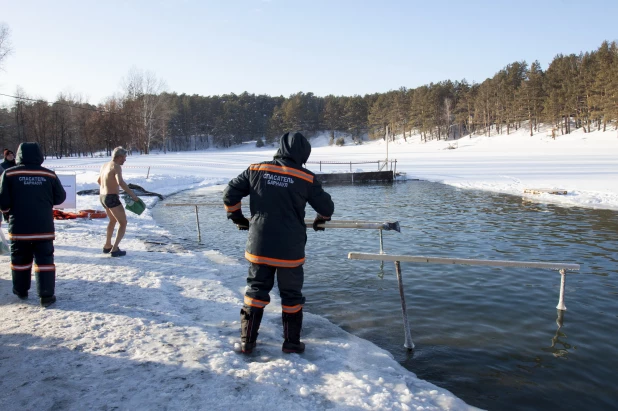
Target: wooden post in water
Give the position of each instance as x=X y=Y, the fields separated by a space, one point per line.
x=406 y=325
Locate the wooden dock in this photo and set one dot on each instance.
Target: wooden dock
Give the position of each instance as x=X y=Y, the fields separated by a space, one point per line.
x=356 y=178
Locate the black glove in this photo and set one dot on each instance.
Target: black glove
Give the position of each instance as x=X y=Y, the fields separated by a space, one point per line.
x=319 y=220
x=241 y=222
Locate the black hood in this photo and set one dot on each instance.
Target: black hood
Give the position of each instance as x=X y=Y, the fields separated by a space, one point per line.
x=29 y=153
x=295 y=147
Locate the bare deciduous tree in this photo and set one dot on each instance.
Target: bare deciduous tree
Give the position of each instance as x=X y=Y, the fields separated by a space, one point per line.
x=5 y=44
x=145 y=92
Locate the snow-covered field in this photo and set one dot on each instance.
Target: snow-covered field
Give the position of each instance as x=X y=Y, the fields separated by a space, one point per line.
x=156 y=330
x=584 y=164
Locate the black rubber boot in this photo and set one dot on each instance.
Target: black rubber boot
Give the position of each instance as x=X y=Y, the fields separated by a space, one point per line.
x=292 y=325
x=250 y=319
x=22 y=296
x=46 y=285
x=47 y=301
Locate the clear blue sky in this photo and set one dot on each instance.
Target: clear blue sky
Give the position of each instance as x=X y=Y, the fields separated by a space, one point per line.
x=279 y=47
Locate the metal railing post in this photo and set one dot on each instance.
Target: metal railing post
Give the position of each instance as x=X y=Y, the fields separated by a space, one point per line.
x=406 y=325
x=561 y=305
x=363 y=225
x=562 y=267
x=197 y=219
x=381 y=252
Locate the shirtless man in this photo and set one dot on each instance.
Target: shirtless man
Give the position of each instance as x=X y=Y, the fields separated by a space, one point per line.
x=110 y=180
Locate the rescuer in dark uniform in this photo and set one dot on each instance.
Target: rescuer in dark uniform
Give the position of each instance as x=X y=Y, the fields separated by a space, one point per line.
x=279 y=190
x=28 y=193
x=9 y=160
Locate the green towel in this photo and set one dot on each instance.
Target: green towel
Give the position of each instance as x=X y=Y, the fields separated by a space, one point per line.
x=136 y=207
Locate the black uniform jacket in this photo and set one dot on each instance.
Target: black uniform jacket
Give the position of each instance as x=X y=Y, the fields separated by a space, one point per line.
x=6 y=164
x=279 y=190
x=28 y=193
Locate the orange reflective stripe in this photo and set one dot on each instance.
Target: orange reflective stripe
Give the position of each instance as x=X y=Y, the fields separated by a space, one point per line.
x=233 y=207
x=255 y=303
x=23 y=267
x=25 y=237
x=291 y=309
x=283 y=170
x=256 y=259
x=30 y=173
x=45 y=267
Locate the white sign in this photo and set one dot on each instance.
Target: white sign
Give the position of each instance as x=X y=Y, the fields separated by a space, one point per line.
x=69 y=183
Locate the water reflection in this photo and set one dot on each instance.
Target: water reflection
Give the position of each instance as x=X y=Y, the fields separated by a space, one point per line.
x=381 y=270
x=559 y=348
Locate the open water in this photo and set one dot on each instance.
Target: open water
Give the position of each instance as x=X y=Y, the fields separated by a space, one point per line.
x=492 y=336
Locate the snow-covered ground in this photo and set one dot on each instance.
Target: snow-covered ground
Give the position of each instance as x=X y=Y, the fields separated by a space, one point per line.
x=157 y=330
x=584 y=164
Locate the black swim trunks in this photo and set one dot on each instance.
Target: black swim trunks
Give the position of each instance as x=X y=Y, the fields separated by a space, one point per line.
x=110 y=200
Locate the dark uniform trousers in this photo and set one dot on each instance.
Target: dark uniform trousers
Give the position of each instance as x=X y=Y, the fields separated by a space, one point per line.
x=22 y=253
x=261 y=280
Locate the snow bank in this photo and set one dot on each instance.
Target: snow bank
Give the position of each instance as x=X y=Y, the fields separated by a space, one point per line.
x=159 y=330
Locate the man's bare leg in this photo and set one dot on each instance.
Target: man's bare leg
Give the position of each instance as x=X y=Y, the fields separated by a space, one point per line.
x=110 y=229
x=121 y=217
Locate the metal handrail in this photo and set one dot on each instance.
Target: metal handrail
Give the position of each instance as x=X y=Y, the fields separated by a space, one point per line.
x=194 y=204
x=367 y=225
x=343 y=162
x=442 y=260
x=350 y=163
x=397 y=259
